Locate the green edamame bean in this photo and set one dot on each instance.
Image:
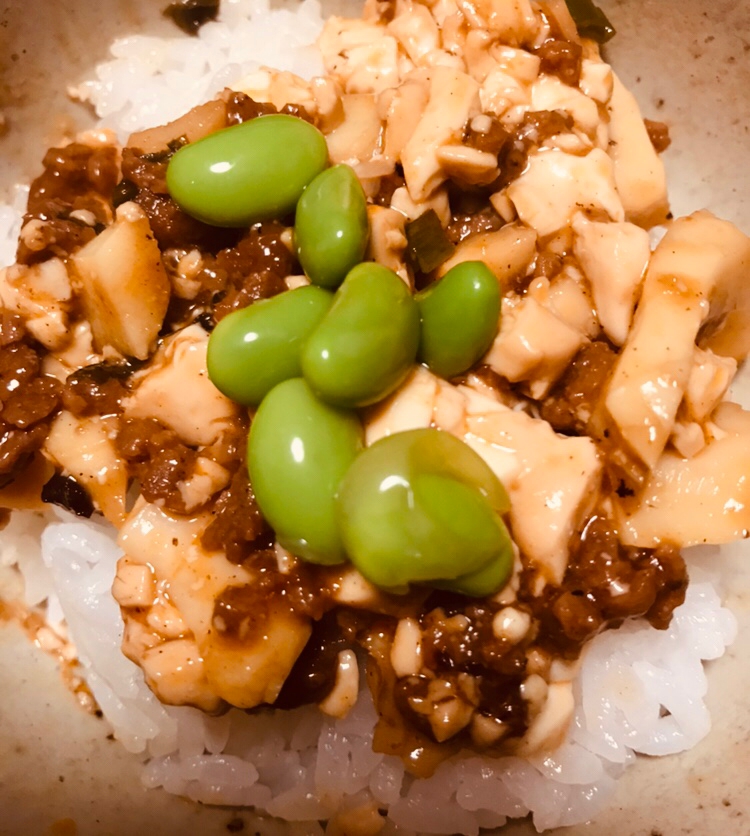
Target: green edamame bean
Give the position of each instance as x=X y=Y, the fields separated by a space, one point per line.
x=250 y=172
x=487 y=580
x=298 y=451
x=253 y=349
x=365 y=345
x=460 y=315
x=330 y=226
x=422 y=507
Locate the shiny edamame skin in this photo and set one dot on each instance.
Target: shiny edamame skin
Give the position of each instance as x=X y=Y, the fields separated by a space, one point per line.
x=366 y=344
x=420 y=507
x=255 y=348
x=298 y=451
x=236 y=177
x=330 y=226
x=460 y=315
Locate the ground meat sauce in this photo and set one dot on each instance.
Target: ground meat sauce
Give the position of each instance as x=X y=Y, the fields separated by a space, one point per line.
x=570 y=404
x=465 y=664
x=535 y=127
x=237 y=526
x=658 y=133
x=145 y=176
x=159 y=459
x=98 y=389
x=70 y=200
x=606 y=583
x=470 y=216
x=563 y=59
x=28 y=398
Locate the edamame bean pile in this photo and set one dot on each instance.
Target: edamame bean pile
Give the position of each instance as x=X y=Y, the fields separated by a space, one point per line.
x=417 y=507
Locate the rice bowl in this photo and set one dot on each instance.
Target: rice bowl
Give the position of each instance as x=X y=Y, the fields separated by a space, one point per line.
x=620 y=830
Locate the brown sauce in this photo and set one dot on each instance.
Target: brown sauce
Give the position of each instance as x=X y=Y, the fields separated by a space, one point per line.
x=28 y=398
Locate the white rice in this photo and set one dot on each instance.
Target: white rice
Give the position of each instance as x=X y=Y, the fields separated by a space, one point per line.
x=640 y=690
x=151 y=81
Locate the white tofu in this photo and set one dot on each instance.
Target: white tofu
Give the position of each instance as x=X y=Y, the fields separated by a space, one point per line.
x=703 y=499
x=638 y=169
x=696 y=281
x=41 y=294
x=84 y=449
x=500 y=92
x=513 y=21
x=552 y=481
x=409 y=408
x=507 y=251
x=549 y=93
x=454 y=99
x=361 y=53
x=613 y=257
x=123 y=284
x=177 y=391
x=597 y=80
x=416 y=31
x=533 y=345
x=555 y=186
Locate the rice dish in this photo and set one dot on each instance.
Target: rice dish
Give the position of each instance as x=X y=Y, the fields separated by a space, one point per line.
x=249 y=776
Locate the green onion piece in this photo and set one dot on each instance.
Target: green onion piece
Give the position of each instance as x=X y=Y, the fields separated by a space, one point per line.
x=590 y=20
x=428 y=245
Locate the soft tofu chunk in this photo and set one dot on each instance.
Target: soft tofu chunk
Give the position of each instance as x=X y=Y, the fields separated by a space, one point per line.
x=703 y=499
x=438 y=201
x=597 y=80
x=245 y=665
x=521 y=64
x=507 y=251
x=123 y=285
x=84 y=449
x=513 y=21
x=533 y=345
x=202 y=120
x=251 y=670
x=387 y=238
x=569 y=298
x=361 y=53
x=176 y=390
x=614 y=258
x=476 y=50
x=468 y=165
x=416 y=31
x=501 y=92
x=549 y=93
x=696 y=282
x=552 y=481
x=402 y=108
x=454 y=99
x=171 y=545
x=356 y=139
x=709 y=380
x=41 y=293
x=409 y=408
x=638 y=170
x=174 y=671
x=556 y=185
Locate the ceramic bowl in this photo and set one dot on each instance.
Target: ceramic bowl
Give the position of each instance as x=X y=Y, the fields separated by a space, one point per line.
x=688 y=62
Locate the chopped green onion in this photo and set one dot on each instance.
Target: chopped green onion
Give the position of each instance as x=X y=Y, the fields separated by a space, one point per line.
x=590 y=20
x=428 y=245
